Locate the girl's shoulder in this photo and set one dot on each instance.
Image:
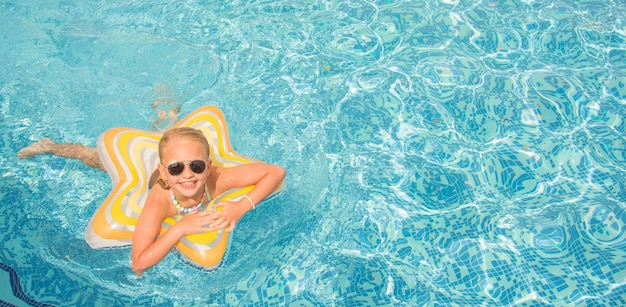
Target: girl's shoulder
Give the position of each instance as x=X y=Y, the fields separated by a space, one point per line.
x=158 y=202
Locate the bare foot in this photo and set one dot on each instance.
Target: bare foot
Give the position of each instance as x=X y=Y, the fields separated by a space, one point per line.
x=173 y=116
x=40 y=147
x=160 y=118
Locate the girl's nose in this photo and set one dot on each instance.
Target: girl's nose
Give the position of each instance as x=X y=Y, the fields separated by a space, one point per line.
x=187 y=173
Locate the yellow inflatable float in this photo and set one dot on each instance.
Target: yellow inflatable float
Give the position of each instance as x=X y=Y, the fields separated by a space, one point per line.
x=131 y=157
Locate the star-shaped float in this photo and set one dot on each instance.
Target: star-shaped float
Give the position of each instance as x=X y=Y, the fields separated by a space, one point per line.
x=131 y=157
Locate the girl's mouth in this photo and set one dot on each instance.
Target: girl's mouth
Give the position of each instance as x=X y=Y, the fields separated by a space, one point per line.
x=188 y=184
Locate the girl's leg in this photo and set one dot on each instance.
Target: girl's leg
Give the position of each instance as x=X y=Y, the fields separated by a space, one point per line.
x=88 y=155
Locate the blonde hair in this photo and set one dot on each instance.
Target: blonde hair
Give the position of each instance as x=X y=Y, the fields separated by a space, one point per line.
x=176 y=133
x=183 y=132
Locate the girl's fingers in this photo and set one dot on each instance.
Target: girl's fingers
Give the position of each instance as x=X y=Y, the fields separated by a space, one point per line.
x=221 y=204
x=218 y=225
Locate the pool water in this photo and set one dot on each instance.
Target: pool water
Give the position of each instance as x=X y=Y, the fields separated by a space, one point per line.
x=439 y=152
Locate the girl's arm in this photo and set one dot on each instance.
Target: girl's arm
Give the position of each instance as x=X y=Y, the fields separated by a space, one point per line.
x=264 y=177
x=147 y=250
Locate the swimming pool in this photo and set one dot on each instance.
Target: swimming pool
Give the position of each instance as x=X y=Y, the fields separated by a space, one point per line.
x=438 y=152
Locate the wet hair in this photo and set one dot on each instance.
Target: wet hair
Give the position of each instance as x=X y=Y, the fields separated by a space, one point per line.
x=177 y=133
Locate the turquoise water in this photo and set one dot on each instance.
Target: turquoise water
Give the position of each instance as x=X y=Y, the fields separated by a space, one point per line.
x=438 y=152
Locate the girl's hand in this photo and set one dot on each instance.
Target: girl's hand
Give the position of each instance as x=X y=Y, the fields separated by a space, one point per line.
x=195 y=222
x=228 y=217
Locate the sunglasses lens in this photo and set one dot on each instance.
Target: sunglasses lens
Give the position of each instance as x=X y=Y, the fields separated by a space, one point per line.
x=197 y=166
x=175 y=168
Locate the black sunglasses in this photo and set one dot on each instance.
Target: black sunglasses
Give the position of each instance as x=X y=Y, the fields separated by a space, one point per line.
x=176 y=168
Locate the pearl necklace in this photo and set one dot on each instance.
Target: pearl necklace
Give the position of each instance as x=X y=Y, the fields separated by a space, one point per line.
x=186 y=210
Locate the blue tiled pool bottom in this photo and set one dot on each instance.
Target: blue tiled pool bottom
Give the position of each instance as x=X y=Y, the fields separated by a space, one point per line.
x=11 y=293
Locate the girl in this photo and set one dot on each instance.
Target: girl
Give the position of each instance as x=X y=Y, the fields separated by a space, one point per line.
x=187 y=181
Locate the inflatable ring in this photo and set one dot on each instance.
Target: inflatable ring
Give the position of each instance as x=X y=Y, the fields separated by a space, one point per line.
x=130 y=157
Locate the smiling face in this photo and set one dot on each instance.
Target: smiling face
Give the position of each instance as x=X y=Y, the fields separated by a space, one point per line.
x=187 y=185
